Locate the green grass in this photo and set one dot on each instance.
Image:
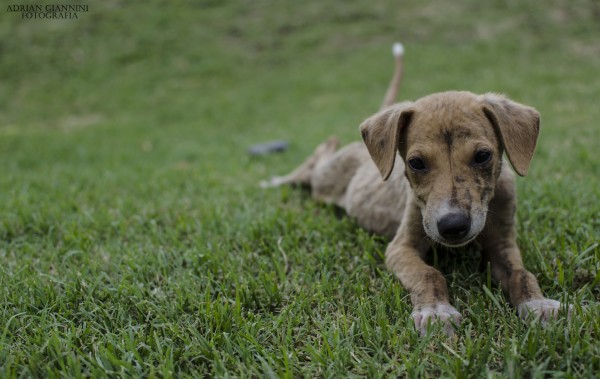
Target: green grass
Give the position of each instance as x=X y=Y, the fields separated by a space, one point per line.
x=134 y=240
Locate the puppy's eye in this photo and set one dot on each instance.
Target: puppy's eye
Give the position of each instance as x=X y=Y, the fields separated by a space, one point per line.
x=417 y=164
x=481 y=157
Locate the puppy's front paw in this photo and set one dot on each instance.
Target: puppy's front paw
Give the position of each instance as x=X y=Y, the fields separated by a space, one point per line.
x=545 y=309
x=444 y=313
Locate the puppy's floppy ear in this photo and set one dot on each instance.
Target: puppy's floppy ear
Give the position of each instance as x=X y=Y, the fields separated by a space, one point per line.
x=381 y=133
x=518 y=126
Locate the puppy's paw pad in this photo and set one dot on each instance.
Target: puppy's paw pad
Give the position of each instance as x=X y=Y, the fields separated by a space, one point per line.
x=444 y=313
x=545 y=309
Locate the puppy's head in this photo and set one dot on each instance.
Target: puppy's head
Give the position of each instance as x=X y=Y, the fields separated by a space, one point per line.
x=452 y=145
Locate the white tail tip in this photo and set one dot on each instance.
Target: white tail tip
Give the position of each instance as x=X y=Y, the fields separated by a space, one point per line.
x=398 y=49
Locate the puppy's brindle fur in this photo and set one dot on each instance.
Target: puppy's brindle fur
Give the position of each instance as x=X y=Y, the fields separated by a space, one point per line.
x=444 y=182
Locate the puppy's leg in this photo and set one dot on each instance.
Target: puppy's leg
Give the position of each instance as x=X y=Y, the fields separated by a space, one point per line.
x=519 y=285
x=303 y=173
x=331 y=177
x=426 y=285
x=500 y=250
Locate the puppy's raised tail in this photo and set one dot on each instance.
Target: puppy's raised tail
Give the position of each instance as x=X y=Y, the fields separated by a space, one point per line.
x=392 y=92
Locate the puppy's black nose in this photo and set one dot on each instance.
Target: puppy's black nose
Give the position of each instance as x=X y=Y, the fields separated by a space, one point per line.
x=454 y=226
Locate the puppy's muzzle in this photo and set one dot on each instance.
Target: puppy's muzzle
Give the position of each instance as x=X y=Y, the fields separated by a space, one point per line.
x=454 y=227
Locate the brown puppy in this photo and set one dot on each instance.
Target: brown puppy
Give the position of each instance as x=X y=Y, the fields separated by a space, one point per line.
x=431 y=172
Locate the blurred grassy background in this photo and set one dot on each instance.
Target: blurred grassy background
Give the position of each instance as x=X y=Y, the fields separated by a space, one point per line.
x=125 y=185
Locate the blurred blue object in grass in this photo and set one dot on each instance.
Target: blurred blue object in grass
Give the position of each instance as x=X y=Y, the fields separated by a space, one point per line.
x=268 y=148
